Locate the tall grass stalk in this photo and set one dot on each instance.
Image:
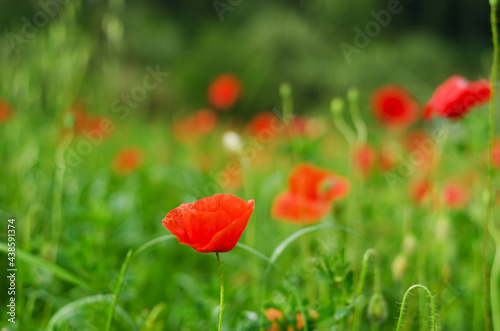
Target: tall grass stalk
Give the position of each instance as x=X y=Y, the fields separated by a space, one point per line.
x=489 y=206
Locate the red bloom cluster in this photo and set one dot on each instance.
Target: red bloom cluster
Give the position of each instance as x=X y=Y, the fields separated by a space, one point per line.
x=212 y=224
x=456 y=97
x=128 y=160
x=224 y=91
x=311 y=190
x=394 y=106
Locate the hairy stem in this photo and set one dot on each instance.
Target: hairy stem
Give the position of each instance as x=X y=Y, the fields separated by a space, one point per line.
x=431 y=302
x=221 y=291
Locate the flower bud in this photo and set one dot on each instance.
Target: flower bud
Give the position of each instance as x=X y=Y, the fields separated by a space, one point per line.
x=337 y=106
x=377 y=308
x=399 y=266
x=410 y=244
x=353 y=94
x=285 y=90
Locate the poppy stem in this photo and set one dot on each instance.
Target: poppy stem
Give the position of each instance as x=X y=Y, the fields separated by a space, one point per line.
x=489 y=206
x=221 y=306
x=431 y=302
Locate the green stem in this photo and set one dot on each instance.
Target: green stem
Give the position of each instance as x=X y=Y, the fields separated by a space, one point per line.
x=495 y=289
x=118 y=286
x=377 y=287
x=337 y=108
x=353 y=97
x=431 y=301
x=221 y=306
x=489 y=207
x=376 y=271
x=58 y=191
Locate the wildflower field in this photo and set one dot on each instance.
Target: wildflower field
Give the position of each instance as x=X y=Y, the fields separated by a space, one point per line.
x=243 y=166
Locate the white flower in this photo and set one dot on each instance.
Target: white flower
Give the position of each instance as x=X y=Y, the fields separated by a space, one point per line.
x=232 y=142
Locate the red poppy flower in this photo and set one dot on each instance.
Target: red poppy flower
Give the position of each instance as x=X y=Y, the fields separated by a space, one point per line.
x=262 y=123
x=273 y=314
x=455 y=195
x=456 y=97
x=127 y=160
x=89 y=125
x=200 y=123
x=421 y=191
x=224 y=91
x=315 y=183
x=295 y=208
x=5 y=111
x=212 y=224
x=364 y=159
x=311 y=190
x=394 y=106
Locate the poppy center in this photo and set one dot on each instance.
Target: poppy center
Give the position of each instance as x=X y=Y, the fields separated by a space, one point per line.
x=393 y=106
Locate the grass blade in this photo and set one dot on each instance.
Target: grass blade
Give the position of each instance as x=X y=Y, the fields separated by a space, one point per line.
x=52 y=267
x=116 y=290
x=68 y=310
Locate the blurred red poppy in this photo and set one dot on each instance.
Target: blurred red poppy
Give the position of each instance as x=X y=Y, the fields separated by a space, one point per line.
x=211 y=224
x=128 y=160
x=311 y=190
x=5 y=111
x=364 y=159
x=421 y=191
x=295 y=208
x=224 y=91
x=200 y=123
x=275 y=316
x=394 y=106
x=316 y=183
x=456 y=97
x=455 y=195
x=262 y=123
x=89 y=125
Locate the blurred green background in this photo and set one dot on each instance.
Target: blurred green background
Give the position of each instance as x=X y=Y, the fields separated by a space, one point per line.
x=263 y=43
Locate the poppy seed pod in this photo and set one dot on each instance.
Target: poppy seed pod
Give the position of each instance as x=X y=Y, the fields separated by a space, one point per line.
x=377 y=308
x=337 y=106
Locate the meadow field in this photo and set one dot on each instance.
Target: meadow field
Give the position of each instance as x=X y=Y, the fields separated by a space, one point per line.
x=305 y=166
